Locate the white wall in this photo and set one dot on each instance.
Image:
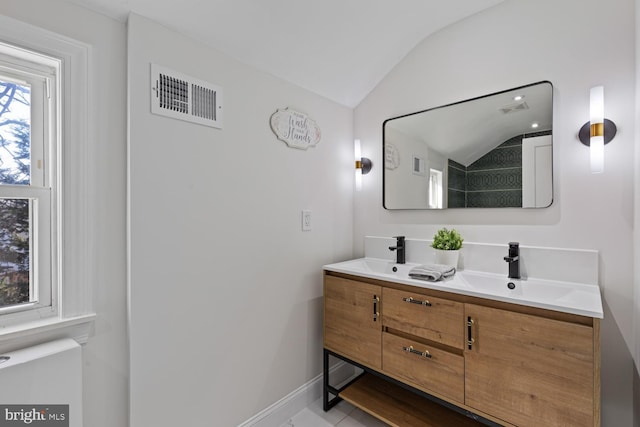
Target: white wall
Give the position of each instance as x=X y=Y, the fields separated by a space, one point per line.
x=105 y=357
x=516 y=43
x=416 y=195
x=225 y=288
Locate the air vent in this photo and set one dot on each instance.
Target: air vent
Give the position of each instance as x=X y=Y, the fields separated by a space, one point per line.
x=185 y=98
x=418 y=165
x=514 y=108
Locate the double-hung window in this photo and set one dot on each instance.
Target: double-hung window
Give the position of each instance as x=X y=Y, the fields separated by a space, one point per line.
x=29 y=138
x=47 y=257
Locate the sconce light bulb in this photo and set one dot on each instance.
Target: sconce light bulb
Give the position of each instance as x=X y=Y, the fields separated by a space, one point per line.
x=362 y=164
x=598 y=131
x=358 y=155
x=596 y=109
x=596 y=112
x=596 y=154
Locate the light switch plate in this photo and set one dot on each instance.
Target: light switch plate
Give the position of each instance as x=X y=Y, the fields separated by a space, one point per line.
x=306 y=220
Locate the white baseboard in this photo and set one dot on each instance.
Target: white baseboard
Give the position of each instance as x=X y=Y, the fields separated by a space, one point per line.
x=285 y=408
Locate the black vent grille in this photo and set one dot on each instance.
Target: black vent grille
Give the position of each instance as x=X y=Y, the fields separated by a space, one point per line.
x=174 y=94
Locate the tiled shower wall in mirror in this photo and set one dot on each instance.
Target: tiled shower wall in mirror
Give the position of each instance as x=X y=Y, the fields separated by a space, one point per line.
x=494 y=180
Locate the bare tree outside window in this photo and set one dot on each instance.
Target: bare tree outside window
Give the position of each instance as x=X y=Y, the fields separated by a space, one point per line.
x=15 y=166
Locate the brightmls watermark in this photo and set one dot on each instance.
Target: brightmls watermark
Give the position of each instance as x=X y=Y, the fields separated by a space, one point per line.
x=34 y=415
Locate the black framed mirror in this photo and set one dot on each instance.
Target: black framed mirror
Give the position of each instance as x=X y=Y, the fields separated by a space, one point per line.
x=487 y=152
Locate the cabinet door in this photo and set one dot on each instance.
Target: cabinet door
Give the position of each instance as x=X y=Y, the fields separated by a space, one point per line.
x=352 y=325
x=528 y=370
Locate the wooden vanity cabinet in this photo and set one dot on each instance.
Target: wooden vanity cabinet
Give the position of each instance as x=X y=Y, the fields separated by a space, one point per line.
x=512 y=365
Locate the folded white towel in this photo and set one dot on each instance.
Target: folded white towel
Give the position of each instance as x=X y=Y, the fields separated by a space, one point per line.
x=432 y=272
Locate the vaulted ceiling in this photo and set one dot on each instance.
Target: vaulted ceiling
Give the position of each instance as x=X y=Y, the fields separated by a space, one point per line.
x=340 y=49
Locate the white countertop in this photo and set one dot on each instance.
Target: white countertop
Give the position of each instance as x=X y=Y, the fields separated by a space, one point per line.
x=567 y=297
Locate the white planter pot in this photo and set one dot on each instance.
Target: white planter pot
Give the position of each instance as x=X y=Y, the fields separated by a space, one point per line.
x=447 y=257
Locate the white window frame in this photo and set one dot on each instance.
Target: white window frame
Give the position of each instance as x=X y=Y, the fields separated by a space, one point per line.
x=42 y=75
x=72 y=267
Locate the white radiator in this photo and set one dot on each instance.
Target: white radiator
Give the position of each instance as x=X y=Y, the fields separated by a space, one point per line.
x=45 y=374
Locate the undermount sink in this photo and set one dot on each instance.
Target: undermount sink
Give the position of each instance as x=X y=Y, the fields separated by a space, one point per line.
x=568 y=297
x=379 y=266
x=526 y=288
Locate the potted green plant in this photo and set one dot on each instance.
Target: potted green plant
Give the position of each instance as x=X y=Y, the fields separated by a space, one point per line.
x=447 y=244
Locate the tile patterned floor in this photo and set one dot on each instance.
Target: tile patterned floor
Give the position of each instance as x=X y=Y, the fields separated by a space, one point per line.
x=342 y=415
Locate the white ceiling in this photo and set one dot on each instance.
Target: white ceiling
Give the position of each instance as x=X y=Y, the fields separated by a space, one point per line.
x=340 y=49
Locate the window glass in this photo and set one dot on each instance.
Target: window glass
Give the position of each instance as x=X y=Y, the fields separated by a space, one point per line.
x=15 y=132
x=15 y=250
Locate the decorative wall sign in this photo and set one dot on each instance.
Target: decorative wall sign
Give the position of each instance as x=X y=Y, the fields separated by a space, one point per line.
x=391 y=156
x=296 y=129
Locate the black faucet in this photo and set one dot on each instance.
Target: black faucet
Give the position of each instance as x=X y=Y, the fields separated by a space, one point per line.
x=514 y=260
x=400 y=249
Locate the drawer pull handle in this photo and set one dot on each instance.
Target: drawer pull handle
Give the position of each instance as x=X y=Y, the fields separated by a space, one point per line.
x=470 y=339
x=410 y=349
x=426 y=302
x=376 y=313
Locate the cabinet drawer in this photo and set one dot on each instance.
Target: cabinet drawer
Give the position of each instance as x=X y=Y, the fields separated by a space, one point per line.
x=435 y=319
x=423 y=366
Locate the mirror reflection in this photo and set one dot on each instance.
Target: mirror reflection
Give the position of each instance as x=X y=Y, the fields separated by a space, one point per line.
x=491 y=151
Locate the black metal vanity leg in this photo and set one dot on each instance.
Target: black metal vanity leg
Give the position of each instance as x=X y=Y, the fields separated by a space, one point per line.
x=327 y=388
x=325 y=380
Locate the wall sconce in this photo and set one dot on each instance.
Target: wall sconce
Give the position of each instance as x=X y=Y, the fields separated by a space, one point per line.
x=598 y=131
x=363 y=164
